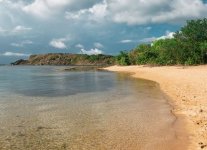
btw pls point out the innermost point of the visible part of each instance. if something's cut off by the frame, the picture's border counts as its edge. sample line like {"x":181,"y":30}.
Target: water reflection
{"x":50,"y":82}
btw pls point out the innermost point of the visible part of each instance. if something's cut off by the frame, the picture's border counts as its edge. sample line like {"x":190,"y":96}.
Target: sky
{"x":89,"y":26}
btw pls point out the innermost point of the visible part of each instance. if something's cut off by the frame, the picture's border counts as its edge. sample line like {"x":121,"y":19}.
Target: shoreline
{"x":186,"y":89}
{"x":110,"y":116}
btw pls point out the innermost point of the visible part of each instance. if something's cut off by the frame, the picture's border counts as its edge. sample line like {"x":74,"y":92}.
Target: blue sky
{"x":88,"y":26}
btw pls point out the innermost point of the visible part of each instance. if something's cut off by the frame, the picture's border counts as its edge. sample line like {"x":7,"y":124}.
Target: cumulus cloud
{"x":120,"y":11}
{"x":92,"y":51}
{"x":48,"y":8}
{"x":22,"y":43}
{"x":58,"y":43}
{"x":97,"y":12}
{"x":45,"y":8}
{"x":14,"y":54}
{"x":155,"y":11}
{"x":138,"y":12}
{"x":132,"y":11}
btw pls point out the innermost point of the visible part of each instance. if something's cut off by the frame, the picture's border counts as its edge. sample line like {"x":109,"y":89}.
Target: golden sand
{"x":187,"y":89}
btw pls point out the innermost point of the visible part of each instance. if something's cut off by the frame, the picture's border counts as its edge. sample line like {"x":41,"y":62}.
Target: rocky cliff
{"x":67,"y":59}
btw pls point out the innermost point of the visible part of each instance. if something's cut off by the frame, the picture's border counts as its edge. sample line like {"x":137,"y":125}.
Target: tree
{"x":188,"y":47}
{"x":166,"y":50}
{"x":191,"y":38}
{"x":194,"y":31}
{"x":146,"y":54}
{"x":203,"y":47}
{"x":123,"y":58}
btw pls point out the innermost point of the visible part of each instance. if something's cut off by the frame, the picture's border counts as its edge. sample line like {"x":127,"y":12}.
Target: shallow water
{"x":47,"y":108}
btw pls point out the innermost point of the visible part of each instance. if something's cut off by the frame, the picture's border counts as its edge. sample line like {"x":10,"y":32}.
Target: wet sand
{"x":134,"y":115}
{"x":187,"y":89}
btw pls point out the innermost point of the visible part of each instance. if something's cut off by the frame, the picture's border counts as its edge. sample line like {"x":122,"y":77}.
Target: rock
{"x":203,"y":146}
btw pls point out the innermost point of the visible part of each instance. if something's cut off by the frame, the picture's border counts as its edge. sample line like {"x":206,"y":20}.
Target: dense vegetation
{"x":188,"y":47}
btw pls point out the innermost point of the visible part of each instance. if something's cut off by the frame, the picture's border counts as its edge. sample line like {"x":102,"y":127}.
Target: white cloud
{"x":22,"y":43}
{"x":98,"y":11}
{"x":45,"y":8}
{"x":94,"y":51}
{"x":135,"y":12}
{"x":120,"y":11}
{"x":38,"y":8}
{"x":79,"y":46}
{"x":75,"y":15}
{"x":15,"y":54}
{"x":168,"y":35}
{"x":58,"y":43}
{"x":95,"y":13}
{"x":126,"y":41}
{"x":98,"y":45}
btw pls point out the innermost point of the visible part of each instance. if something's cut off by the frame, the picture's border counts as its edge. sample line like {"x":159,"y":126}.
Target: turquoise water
{"x":49,"y":108}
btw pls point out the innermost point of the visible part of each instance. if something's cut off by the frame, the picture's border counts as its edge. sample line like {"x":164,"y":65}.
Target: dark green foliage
{"x":146,"y":55}
{"x":203,"y":47}
{"x":188,"y":47}
{"x":192,"y":38}
{"x":166,"y":51}
{"x":133,"y":56}
{"x":123,"y":58}
{"x":193,"y":31}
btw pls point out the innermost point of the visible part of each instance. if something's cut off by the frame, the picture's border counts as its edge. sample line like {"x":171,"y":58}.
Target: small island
{"x":67,"y":59}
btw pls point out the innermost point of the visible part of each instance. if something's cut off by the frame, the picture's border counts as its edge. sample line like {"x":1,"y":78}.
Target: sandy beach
{"x":186,"y":88}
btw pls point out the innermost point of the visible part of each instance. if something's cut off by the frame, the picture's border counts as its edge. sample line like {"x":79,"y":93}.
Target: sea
{"x":48,"y":108}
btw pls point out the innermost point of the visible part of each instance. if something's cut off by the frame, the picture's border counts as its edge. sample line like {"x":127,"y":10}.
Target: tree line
{"x":187,"y":47}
